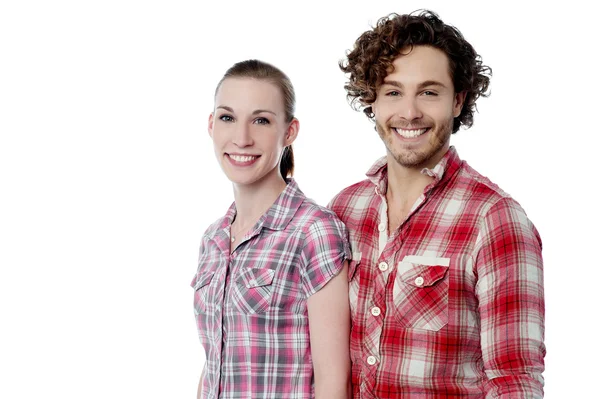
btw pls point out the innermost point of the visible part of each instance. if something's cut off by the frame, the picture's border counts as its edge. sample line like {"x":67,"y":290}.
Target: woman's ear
{"x":292,"y":132}
{"x":211,"y":120}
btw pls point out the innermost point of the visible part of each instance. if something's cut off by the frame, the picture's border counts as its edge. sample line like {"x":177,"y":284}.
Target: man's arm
{"x":510,"y":290}
{"x":329,"y":324}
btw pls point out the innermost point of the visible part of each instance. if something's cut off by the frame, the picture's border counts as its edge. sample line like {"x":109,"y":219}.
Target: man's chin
{"x":411,"y":160}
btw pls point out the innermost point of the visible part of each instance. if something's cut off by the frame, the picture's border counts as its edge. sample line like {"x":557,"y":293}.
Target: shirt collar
{"x":449,"y":164}
{"x":284,"y":208}
{"x":277,"y":216}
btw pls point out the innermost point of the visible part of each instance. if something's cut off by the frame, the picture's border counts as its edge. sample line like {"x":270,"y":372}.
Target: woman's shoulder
{"x":312,"y":216}
{"x":219,"y":224}
{"x":214,"y":227}
{"x":325,"y":237}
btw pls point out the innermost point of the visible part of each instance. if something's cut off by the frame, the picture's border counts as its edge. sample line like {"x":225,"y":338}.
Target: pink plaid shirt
{"x":251,"y":306}
{"x":452,"y":303}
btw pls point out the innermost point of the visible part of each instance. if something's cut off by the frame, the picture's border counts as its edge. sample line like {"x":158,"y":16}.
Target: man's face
{"x":415,"y":107}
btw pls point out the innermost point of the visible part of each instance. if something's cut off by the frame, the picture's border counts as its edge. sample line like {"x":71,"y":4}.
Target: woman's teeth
{"x":242,"y":158}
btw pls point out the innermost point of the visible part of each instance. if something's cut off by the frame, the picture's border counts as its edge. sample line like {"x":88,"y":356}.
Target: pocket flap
{"x":255,"y":277}
{"x":202,"y":279}
{"x":423,"y":275}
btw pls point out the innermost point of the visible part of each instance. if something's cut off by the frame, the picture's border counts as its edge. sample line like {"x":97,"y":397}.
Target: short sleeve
{"x":194,"y":280}
{"x":201,"y":252}
{"x":325,"y":250}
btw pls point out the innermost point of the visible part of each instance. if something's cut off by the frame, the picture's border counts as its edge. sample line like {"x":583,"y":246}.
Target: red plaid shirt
{"x":251,"y":306}
{"x":452,"y":303}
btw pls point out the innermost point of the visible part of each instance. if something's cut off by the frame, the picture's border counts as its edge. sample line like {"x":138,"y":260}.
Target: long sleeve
{"x":510,"y":290}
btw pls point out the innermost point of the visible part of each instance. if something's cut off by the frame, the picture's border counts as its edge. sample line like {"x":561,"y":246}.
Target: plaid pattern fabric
{"x":250,"y":306}
{"x":452,"y":303}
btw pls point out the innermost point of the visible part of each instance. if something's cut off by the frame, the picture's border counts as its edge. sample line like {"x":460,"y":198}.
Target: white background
{"x":108,"y":178}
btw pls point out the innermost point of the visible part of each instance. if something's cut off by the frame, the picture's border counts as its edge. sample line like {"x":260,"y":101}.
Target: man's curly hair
{"x":375,"y":50}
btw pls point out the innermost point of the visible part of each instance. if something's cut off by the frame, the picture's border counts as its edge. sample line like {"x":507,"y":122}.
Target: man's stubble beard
{"x":417,"y":158}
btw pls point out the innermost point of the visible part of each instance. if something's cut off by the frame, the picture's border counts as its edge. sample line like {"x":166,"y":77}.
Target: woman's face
{"x":249,"y":130}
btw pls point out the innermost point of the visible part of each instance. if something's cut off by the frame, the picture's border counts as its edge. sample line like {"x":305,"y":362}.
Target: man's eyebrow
{"x":392,"y":83}
{"x":427,"y":83}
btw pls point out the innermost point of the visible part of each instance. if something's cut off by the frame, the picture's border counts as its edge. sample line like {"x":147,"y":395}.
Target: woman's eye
{"x":430,"y":93}
{"x":261,"y":121}
{"x":226,"y":118}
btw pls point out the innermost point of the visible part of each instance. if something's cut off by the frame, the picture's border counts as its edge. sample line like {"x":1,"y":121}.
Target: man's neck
{"x":405,"y":185}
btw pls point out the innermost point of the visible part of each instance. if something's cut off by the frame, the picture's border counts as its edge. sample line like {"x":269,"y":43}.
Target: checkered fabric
{"x":251,"y":306}
{"x":452,"y":303}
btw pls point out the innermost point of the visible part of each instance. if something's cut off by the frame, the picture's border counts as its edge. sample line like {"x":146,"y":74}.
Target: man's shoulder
{"x":364,"y":188}
{"x":480,"y":183}
{"x":480,"y":188}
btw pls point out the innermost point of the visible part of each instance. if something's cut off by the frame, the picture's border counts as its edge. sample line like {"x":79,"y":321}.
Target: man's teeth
{"x":242,"y":158}
{"x":410,"y":133}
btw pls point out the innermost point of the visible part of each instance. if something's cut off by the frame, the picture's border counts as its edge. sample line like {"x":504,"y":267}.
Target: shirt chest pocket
{"x":421,"y":292}
{"x":253,"y":290}
{"x":201,"y":286}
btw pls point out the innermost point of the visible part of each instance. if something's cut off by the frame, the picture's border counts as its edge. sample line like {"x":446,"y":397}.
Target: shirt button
{"x":383,"y":266}
{"x":375,"y":311}
{"x":371,"y":360}
{"x":381,"y":226}
{"x":419,"y":281}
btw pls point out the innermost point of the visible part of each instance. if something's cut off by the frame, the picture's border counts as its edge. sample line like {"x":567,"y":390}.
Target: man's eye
{"x":393,"y":93}
{"x":429,"y":93}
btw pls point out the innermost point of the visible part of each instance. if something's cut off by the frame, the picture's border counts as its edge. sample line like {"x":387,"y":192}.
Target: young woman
{"x":271,"y":290}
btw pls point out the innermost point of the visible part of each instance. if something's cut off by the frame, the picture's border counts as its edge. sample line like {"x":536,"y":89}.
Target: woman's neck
{"x":252,"y":201}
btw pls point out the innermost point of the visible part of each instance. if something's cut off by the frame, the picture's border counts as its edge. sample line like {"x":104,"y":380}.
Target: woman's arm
{"x":199,"y":394}
{"x":329,"y":326}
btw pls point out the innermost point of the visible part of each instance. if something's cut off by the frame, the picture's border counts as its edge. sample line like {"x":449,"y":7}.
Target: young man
{"x":446,"y":285}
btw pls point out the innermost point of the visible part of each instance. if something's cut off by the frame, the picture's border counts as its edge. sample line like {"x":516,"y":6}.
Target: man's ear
{"x":459,"y":102}
{"x":292,"y":132}
{"x":211,"y":119}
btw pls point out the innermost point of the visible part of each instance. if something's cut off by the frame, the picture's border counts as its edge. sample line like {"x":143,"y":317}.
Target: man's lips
{"x":410,"y":133}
